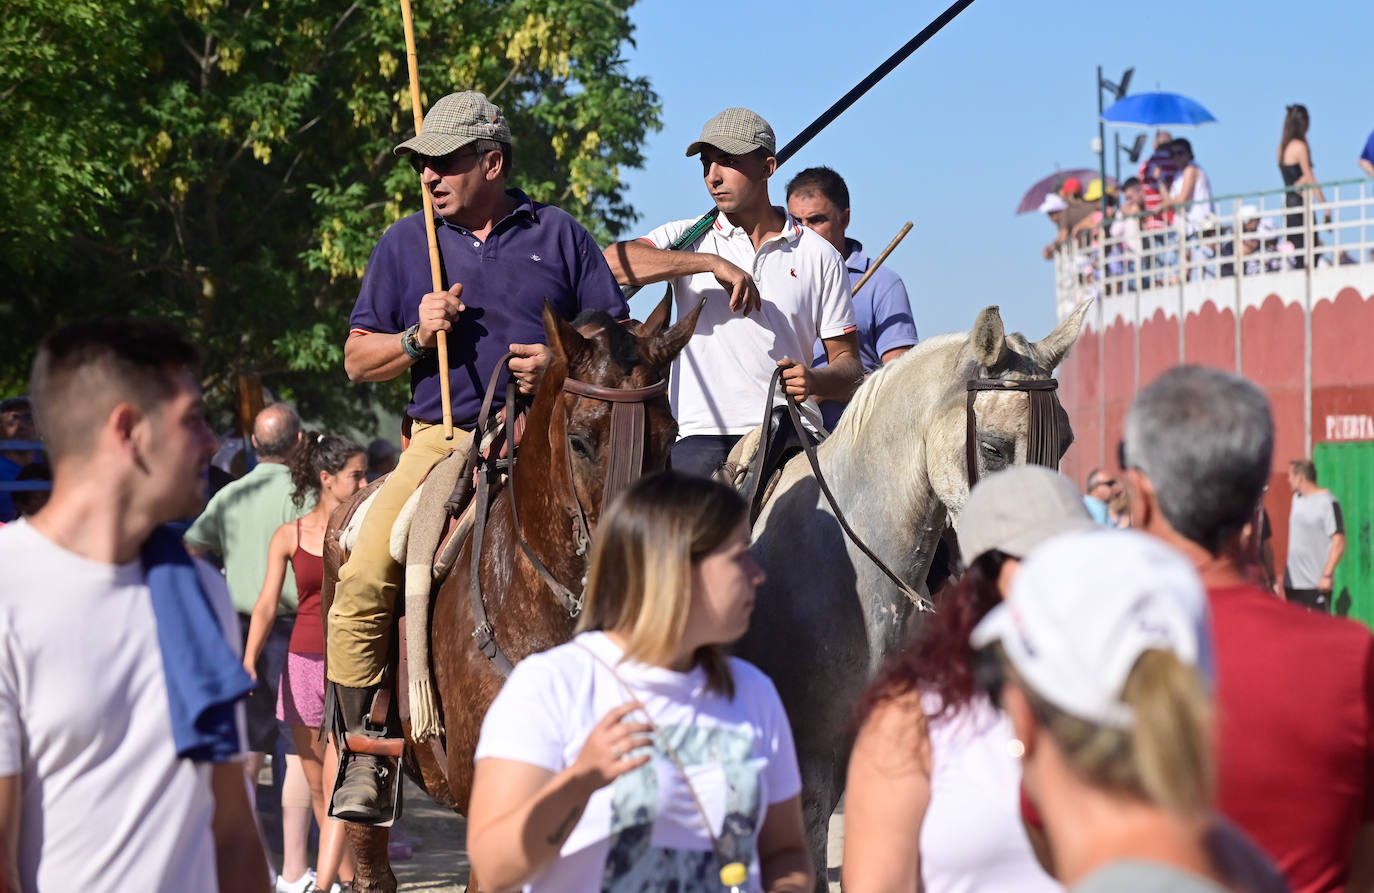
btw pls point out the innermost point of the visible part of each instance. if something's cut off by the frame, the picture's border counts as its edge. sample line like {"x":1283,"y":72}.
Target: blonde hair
{"x":1164,"y":758}
{"x":640,"y":580}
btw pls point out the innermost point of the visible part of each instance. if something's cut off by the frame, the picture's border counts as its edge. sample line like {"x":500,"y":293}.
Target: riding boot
{"x":363,"y":795}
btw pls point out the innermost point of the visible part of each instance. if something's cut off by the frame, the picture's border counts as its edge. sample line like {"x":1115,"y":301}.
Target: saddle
{"x":776,"y":442}
{"x":429,"y":532}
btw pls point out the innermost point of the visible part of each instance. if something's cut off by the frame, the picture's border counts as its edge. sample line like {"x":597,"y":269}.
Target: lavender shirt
{"x":883,"y":311}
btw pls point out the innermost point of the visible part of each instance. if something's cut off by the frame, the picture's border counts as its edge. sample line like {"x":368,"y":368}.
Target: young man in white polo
{"x":771,"y":287}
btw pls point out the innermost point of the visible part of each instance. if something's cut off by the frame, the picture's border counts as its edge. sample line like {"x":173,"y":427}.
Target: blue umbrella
{"x":1156,"y":109}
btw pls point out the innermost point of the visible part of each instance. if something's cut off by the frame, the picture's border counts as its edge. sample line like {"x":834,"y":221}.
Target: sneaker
{"x":303,"y":884}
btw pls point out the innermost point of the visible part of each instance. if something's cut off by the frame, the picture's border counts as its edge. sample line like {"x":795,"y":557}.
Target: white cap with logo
{"x":1083,"y":609}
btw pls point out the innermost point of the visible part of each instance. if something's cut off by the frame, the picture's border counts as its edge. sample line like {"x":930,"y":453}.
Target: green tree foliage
{"x":226,"y":165}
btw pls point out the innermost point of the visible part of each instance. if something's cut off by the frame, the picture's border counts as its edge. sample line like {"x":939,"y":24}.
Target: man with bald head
{"x":237,"y":525}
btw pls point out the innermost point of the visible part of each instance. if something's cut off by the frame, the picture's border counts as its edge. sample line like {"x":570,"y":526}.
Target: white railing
{"x":1246,"y":236}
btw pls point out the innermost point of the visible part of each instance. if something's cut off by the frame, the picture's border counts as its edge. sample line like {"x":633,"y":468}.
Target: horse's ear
{"x":1054,"y":346}
{"x":989,"y":338}
{"x":659,"y":318}
{"x":663,"y":348}
{"x":565,"y":342}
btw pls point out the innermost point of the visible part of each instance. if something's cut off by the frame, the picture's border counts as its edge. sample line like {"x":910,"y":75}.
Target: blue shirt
{"x":8,"y":471}
{"x":1368,"y":153}
{"x":535,"y":254}
{"x":883,"y":311}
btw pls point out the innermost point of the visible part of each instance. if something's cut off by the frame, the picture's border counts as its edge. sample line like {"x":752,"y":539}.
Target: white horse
{"x":826,"y":617}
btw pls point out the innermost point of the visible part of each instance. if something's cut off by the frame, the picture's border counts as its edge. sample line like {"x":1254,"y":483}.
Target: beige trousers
{"x":365,"y":598}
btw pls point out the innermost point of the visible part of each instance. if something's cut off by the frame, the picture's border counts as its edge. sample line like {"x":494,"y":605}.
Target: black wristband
{"x":410,"y":343}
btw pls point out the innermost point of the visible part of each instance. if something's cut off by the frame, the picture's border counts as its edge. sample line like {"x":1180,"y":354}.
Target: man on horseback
{"x":788,"y":283}
{"x":505,"y":255}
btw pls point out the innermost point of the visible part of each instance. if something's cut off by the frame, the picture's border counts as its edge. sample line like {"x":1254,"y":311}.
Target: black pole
{"x":796,"y":144}
{"x":1116,"y":143}
{"x":1102,"y":149}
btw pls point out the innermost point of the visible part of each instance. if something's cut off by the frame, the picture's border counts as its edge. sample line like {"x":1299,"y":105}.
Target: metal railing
{"x":1243,"y":236}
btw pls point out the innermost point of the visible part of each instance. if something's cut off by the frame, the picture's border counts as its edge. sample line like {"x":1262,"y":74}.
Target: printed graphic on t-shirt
{"x":721,"y":768}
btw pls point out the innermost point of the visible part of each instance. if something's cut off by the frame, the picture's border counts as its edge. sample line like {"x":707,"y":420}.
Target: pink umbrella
{"x":1036,"y":194}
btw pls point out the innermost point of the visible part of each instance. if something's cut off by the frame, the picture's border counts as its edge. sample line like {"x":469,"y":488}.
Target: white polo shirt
{"x":720,"y":379}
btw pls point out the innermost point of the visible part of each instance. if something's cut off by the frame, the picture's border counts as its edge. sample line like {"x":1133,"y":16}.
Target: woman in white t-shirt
{"x":639,"y":756}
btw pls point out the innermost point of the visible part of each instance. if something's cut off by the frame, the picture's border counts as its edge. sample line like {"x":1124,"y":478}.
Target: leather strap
{"x":628,"y":413}
{"x":483,"y":635}
{"x":625,"y":464}
{"x":615,"y":395}
{"x":921,"y":602}
{"x":1043,"y":434}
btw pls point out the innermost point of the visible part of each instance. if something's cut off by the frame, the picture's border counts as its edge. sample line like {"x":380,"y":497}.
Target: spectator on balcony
{"x":1156,"y":176}
{"x":1066,"y":209}
{"x":1367,"y":156}
{"x":1295,"y":166}
{"x":1191,"y":192}
{"x":1258,"y":234}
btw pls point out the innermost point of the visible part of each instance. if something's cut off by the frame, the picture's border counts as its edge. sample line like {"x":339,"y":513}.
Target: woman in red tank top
{"x":329,"y":469}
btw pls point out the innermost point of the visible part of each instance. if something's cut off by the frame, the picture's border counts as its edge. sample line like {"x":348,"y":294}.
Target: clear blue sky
{"x":954,"y":136}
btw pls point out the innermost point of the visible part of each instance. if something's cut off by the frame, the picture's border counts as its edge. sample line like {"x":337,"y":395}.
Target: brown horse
{"x":560,"y":472}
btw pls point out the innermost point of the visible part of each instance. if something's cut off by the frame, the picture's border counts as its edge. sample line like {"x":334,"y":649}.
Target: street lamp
{"x":1118,"y":91}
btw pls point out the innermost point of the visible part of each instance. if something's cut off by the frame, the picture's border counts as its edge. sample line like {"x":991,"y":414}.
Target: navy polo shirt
{"x":538,"y":253}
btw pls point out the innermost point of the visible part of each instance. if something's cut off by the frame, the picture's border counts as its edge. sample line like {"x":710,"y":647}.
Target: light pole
{"x":1118,"y":92}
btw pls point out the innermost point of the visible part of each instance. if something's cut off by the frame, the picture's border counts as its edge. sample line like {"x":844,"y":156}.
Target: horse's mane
{"x":875,"y":388}
{"x":623,"y":345}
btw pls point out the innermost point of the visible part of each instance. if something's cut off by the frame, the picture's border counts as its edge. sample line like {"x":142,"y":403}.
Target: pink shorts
{"x":300,"y":697}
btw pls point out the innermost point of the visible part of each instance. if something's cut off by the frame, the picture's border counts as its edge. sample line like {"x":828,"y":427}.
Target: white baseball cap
{"x":1053,"y":203}
{"x":1084,"y":608}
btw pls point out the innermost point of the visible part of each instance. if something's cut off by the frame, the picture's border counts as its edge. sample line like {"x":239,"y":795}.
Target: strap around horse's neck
{"x":628,"y":423}
{"x":921,"y":602}
{"x":1043,"y":438}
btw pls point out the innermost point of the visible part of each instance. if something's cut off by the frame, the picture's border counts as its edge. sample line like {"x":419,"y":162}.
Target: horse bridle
{"x":1042,"y":442}
{"x":629,"y":413}
{"x":1043,"y":449}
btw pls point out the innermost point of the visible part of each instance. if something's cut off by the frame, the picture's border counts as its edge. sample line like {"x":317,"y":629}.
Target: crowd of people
{"x":1088,"y":708}
{"x":1163,"y":225}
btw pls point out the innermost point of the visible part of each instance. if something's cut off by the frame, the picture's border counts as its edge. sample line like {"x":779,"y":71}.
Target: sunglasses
{"x":440,"y":164}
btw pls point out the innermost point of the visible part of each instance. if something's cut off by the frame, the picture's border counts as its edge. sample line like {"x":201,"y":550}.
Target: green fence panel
{"x":1347,"y":469}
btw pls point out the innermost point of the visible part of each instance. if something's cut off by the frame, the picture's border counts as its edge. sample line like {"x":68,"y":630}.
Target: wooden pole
{"x":873,"y":267}
{"x":412,"y":66}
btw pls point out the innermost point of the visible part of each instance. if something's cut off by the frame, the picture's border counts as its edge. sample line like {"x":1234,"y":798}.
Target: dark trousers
{"x":702,"y":454}
{"x":1314,"y":599}
{"x":264,"y":729}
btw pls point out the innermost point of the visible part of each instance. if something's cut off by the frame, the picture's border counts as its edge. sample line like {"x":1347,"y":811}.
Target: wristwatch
{"x":410,"y":343}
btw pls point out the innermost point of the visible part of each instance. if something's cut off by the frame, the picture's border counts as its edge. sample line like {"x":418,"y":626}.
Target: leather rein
{"x":921,"y":602}
{"x":626,"y":463}
{"x":1043,"y":449}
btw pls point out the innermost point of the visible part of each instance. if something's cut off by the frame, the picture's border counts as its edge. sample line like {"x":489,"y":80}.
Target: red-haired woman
{"x":932,"y":799}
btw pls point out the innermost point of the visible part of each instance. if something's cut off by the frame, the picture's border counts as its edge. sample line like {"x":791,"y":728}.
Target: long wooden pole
{"x":435,"y":276}
{"x":873,"y":267}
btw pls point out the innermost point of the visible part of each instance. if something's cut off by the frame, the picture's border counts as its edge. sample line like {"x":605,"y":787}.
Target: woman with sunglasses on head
{"x":639,"y":756}
{"x":1295,"y":166}
{"x":328,"y":470}
{"x":931,"y":797}
{"x":1101,"y":659}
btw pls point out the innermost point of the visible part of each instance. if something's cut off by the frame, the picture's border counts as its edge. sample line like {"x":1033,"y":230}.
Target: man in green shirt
{"x":237,"y":525}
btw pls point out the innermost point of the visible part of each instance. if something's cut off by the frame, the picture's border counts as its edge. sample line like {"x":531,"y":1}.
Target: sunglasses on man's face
{"x":441,"y":164}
